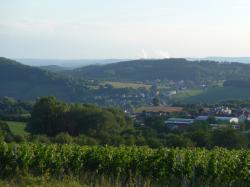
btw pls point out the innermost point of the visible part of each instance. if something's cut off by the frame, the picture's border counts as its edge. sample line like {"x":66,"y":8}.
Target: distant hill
{"x":225,"y":59}
{"x":215,"y":95}
{"x":231,"y":90}
{"x":67,"y":63}
{"x":25,"y":82}
{"x":54,"y":68}
{"x":165,"y":69}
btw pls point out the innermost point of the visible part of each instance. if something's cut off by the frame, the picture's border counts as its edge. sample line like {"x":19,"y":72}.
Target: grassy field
{"x":17,"y":128}
{"x":43,"y":181}
{"x":127,"y":85}
{"x":183,"y":95}
{"x":213,"y":95}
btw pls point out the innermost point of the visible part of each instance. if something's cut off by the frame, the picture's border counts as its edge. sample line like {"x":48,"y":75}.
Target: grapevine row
{"x":162,"y":164}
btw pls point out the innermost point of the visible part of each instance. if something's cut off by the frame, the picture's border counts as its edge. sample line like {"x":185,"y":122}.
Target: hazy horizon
{"x":124,"y":29}
{"x":74,"y":63}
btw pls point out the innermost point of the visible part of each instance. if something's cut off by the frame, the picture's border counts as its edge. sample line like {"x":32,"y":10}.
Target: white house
{"x":220,"y":118}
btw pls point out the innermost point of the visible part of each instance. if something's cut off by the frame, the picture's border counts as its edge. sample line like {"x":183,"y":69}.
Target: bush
{"x":39,"y":139}
{"x":228,"y":138}
{"x":84,"y":140}
{"x":173,"y":140}
{"x":63,"y":138}
{"x":200,"y":138}
{"x":8,"y":138}
{"x":18,"y":138}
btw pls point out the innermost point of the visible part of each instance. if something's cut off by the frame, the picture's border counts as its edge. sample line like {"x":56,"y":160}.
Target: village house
{"x":234,"y":120}
{"x":154,"y":111}
{"x":174,"y":123}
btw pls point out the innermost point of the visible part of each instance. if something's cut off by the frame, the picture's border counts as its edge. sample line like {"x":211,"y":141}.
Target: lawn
{"x":17,"y":128}
{"x":182,"y":95}
{"x":127,"y":85}
{"x":213,"y":95}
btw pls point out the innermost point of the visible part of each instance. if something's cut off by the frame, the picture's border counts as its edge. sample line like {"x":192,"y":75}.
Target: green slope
{"x":213,"y":95}
{"x":17,"y":128}
{"x":165,"y":69}
{"x":26,"y":82}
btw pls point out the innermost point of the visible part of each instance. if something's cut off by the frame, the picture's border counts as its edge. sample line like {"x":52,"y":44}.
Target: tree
{"x":199,"y":126}
{"x":156,"y":101}
{"x":5,"y":133}
{"x":153,"y":142}
{"x":47,"y":117}
{"x":200,"y":138}
{"x":228,"y":138}
{"x":156,"y":123}
{"x":173,"y":140}
{"x":51,"y":117}
{"x":63,"y":138}
{"x":211,"y":120}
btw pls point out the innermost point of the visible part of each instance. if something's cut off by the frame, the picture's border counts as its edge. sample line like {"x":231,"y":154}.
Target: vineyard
{"x":139,"y":166}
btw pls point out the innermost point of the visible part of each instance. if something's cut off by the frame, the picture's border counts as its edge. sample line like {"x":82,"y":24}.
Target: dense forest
{"x":29,"y":83}
{"x":166,"y":69}
{"x":26,"y":82}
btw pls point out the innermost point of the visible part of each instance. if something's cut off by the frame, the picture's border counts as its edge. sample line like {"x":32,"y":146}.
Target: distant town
{"x":217,"y":117}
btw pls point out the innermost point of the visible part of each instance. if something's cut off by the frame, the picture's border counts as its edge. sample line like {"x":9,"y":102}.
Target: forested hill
{"x":25,"y":82}
{"x":165,"y":69}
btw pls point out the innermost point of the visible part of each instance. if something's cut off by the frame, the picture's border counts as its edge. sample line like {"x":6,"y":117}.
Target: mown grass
{"x":214,"y":95}
{"x":42,"y":181}
{"x":17,"y":128}
{"x":127,"y":85}
{"x":182,"y":95}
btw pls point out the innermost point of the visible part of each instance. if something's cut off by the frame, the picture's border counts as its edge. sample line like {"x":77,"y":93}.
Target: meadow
{"x":17,"y":127}
{"x":213,"y":95}
{"x":127,"y":85}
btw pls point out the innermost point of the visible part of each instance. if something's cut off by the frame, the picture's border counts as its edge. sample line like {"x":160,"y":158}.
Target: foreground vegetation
{"x":127,"y":165}
{"x":53,"y":121}
{"x":86,"y":145}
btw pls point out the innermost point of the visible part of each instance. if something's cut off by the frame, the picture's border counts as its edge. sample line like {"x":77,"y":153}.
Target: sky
{"x":97,"y":29}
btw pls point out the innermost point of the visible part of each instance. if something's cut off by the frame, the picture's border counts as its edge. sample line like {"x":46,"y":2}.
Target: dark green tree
{"x":228,"y":138}
{"x":201,"y":138}
{"x":156,"y":101}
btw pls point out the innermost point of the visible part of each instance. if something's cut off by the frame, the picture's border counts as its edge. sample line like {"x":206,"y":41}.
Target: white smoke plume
{"x":144,"y":54}
{"x":162,"y":54}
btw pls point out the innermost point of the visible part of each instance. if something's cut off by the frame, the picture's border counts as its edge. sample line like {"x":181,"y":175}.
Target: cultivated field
{"x":17,"y":128}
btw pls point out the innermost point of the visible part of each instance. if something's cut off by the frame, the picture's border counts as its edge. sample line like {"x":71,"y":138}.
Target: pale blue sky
{"x":124,"y":28}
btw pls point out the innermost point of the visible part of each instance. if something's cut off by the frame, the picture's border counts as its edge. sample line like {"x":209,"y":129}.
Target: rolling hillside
{"x":54,"y":68}
{"x":165,"y":69}
{"x":25,"y":82}
{"x":214,"y":95}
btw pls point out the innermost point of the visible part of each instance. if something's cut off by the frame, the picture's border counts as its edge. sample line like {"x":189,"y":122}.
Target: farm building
{"x":159,"y":110}
{"x":174,"y":123}
{"x":220,"y":118}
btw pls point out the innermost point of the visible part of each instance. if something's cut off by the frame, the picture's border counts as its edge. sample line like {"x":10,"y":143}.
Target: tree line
{"x":53,"y":121}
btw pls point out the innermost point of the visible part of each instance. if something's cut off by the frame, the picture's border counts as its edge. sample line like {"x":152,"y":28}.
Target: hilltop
{"x":165,"y":69}
{"x":26,"y":82}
